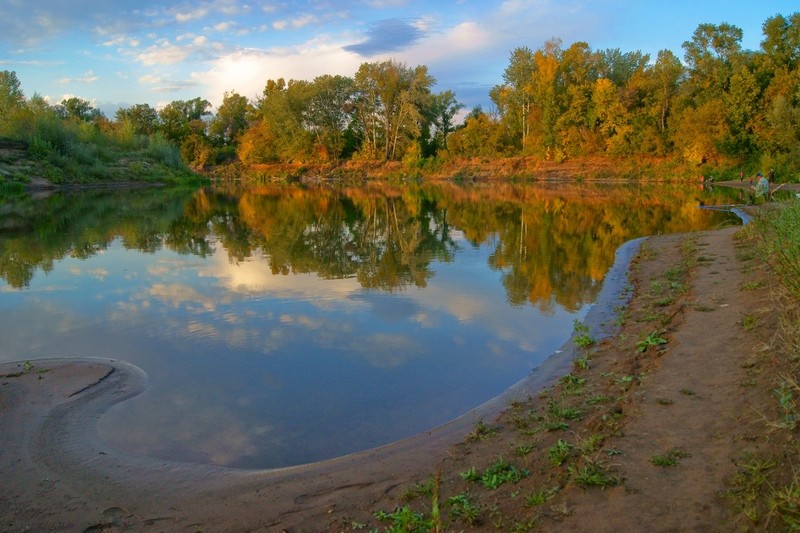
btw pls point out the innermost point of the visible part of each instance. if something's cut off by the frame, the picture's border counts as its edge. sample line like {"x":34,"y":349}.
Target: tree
{"x":280,"y":110}
{"x":328,"y":113}
{"x":664,"y":77}
{"x":443,"y":109}
{"x":11,"y":96}
{"x":578,"y":72}
{"x":513,"y":98}
{"x":711,"y":56}
{"x":181,"y":118}
{"x":78,"y":109}
{"x":389,"y":105}
{"x":142,"y":117}
{"x":231,"y":119}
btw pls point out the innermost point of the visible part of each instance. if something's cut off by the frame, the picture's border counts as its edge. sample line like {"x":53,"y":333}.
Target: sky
{"x":117,"y":53}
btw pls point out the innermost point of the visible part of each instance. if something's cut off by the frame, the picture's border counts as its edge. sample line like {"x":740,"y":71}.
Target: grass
{"x":593,"y":474}
{"x":498,"y":473}
{"x":653,"y":339}
{"x":671,"y":458}
{"x":581,"y":336}
{"x":483,"y":431}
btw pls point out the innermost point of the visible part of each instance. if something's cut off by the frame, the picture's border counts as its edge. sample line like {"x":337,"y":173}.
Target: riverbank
{"x":646,"y":431}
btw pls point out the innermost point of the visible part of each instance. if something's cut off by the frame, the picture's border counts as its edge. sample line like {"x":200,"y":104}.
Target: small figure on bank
{"x":761,"y":188}
{"x":772,"y":175}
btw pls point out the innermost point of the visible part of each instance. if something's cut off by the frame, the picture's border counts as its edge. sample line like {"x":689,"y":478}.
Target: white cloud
{"x":88,"y":77}
{"x":189,"y":16}
{"x":247,"y":71}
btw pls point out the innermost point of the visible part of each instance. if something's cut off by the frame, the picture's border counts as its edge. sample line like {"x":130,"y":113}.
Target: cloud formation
{"x":387,"y":36}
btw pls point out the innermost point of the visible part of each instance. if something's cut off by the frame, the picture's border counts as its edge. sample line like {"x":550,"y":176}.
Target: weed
{"x":671,"y":458}
{"x":581,"y":338}
{"x":405,"y":519}
{"x":522,"y":527}
{"x":704,"y":308}
{"x":664,"y":302}
{"x":482,"y":431}
{"x":747,"y":487}
{"x":524,"y":449}
{"x":541,"y":496}
{"x":594,"y":400}
{"x":572,"y":384}
{"x":501,"y":472}
{"x":593,"y":474}
{"x":581,"y":363}
{"x":653,"y":339}
{"x":785,"y":395}
{"x":419,"y":489}
{"x":753,"y":285}
{"x":589,"y":444}
{"x":749,"y":322}
{"x":563,"y":412}
{"x":559,"y":452}
{"x":664,"y":401}
{"x":687,"y":392}
{"x":461,"y":508}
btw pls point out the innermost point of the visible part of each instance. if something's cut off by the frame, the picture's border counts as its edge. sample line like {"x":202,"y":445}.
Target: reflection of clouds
{"x":386,"y":350}
{"x":158,"y":270}
{"x":99,"y":273}
{"x":255,"y":278}
{"x":178,"y":294}
{"x":215,"y":434}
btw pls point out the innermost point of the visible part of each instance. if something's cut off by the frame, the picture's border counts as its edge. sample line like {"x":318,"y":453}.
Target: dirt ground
{"x":643,"y":433}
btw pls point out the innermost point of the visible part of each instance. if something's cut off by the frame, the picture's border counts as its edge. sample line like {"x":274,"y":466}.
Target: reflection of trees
{"x":81,"y":225}
{"x":381,"y":240}
{"x":551,"y":245}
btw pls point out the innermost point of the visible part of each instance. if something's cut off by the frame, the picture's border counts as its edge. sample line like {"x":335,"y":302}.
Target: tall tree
{"x":11,"y":96}
{"x":444,"y":108}
{"x":230,"y":120}
{"x":328,"y":113}
{"x":390,"y":99}
{"x":513,"y":98}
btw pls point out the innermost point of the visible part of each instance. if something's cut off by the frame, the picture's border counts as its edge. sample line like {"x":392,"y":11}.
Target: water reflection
{"x":283,"y":324}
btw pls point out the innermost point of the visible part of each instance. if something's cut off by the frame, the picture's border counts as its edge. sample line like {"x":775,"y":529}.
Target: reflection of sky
{"x":253,"y":369}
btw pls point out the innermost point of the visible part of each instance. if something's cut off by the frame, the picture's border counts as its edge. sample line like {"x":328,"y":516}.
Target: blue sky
{"x":123,"y":52}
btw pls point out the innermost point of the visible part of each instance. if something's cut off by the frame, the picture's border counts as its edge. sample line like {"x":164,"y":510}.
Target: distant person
{"x":761,"y":188}
{"x":772,"y":175}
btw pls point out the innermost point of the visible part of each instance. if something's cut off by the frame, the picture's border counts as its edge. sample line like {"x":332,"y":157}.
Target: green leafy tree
{"x":328,"y":114}
{"x":390,"y":105}
{"x":181,"y":118}
{"x":443,"y":109}
{"x":142,"y":117}
{"x":78,"y":109}
{"x":11,"y":96}
{"x":230,"y":120}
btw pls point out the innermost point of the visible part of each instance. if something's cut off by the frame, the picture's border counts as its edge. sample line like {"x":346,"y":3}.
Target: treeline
{"x":722,"y":105}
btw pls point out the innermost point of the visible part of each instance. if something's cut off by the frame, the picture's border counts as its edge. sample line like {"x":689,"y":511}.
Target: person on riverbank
{"x":761,"y":188}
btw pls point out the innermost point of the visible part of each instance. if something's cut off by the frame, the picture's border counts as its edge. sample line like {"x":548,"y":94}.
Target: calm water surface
{"x":280,"y":325}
